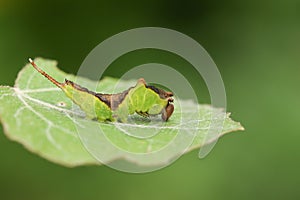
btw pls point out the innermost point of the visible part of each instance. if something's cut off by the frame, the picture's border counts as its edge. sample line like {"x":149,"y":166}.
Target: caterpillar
{"x":143,"y":99}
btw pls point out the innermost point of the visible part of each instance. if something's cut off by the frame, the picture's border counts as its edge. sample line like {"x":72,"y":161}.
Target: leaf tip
{"x":242,"y":127}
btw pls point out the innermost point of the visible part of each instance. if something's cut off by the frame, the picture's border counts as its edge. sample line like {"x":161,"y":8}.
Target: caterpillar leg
{"x":144,"y":114}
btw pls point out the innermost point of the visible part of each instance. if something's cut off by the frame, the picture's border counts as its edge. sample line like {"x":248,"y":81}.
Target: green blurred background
{"x":255,"y":44}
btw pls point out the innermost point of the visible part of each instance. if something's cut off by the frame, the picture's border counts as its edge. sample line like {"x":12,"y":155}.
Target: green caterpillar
{"x":142,"y":99}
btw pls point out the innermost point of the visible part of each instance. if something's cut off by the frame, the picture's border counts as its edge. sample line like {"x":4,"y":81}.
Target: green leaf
{"x":38,"y":115}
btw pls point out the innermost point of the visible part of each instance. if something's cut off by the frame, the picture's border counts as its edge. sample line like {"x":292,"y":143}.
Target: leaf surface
{"x":38,"y":115}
